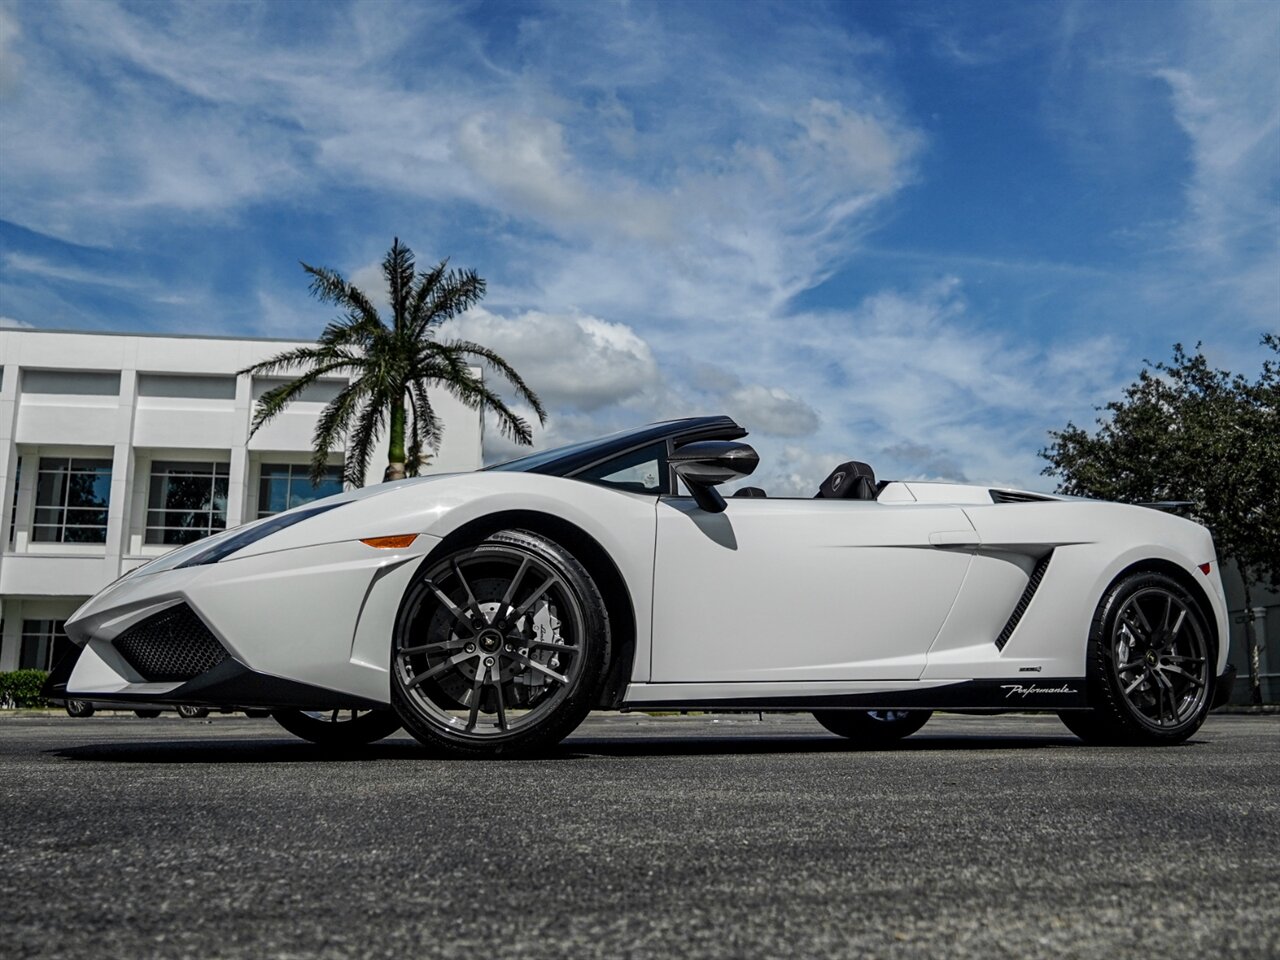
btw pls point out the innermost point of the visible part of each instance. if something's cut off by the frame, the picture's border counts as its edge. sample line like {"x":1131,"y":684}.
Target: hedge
{"x":23,"y":688}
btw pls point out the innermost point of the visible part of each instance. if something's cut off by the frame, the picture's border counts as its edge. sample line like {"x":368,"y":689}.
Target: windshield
{"x":535,"y":460}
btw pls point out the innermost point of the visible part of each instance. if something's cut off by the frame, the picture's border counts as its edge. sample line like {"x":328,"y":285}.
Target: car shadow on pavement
{"x":235,"y":751}
{"x":762,"y":744}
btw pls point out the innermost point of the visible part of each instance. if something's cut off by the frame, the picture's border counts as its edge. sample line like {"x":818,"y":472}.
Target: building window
{"x":72,"y":497}
{"x":44,"y":643}
{"x":186,"y":501}
{"x":282,"y":486}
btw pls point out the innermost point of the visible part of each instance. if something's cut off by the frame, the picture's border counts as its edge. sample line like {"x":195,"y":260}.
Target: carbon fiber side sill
{"x":1024,"y":601}
{"x":1009,"y":693}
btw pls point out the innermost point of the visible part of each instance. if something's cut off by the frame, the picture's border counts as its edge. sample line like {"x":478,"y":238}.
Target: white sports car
{"x":488,"y":612}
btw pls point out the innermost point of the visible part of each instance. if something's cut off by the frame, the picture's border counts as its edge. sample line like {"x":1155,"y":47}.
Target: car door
{"x":778,"y":590}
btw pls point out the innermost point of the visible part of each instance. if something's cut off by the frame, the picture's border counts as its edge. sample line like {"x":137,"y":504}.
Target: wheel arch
{"x":612,"y":585}
{"x":1187,"y":582}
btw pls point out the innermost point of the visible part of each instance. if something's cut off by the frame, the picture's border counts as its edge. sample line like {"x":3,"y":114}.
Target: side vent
{"x":1016,"y":496}
{"x":1024,"y":601}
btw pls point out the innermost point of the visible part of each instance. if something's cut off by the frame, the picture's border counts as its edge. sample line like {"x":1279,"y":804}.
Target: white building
{"x":115,"y":448}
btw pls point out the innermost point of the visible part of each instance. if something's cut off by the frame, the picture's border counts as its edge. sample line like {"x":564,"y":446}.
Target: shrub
{"x":22,"y":687}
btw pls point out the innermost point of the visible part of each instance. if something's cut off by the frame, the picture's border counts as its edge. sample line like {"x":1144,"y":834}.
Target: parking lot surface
{"x":642,"y":837}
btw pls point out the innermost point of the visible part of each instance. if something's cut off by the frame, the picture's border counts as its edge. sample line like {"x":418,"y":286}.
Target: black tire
{"x":146,"y":714}
{"x":256,"y":714}
{"x":189,"y":711}
{"x":338,"y":728}
{"x":478,"y":635}
{"x":79,"y":708}
{"x":1150,"y":664}
{"x":873,"y":728}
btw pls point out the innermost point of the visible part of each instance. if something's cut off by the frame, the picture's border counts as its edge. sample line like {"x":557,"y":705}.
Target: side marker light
{"x":1205,"y":567}
{"x":390,"y":543}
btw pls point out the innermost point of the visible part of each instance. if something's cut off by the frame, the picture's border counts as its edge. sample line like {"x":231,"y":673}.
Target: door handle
{"x":955,"y":538}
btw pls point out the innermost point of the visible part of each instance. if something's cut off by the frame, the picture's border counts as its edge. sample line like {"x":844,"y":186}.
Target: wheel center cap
{"x":489,"y":640}
{"x":1151,"y":657}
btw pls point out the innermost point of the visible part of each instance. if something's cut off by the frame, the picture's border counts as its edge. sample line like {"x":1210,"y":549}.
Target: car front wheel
{"x":500,"y":647}
{"x":873,"y":728}
{"x":79,"y":708}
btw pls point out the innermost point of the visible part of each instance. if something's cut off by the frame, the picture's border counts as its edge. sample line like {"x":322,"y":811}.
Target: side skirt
{"x":1044,"y":693}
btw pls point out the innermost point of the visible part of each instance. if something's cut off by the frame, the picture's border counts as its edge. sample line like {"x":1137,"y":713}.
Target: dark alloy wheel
{"x":338,"y":728}
{"x":1151,"y":665}
{"x":188,"y":711}
{"x":146,"y":714}
{"x":499,"y":647}
{"x":873,"y":728}
{"x":79,"y":708}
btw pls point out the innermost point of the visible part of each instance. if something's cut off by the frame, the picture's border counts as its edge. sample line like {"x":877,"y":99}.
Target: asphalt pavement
{"x":642,"y":837}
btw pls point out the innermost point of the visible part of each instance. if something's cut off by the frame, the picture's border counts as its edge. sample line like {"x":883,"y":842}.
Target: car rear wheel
{"x":1150,"y":662}
{"x":500,"y":647}
{"x":338,"y":728}
{"x":146,"y":714}
{"x":79,"y":708}
{"x":873,"y":728}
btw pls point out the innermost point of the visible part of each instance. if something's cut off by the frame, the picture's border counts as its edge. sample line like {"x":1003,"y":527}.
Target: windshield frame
{"x":575,"y":458}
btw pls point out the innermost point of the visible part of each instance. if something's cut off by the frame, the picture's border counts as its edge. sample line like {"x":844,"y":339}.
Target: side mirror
{"x":705,"y":463}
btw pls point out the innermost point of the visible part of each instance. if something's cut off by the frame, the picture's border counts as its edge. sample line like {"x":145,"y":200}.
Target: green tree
{"x":391,"y":366}
{"x":1187,"y":431}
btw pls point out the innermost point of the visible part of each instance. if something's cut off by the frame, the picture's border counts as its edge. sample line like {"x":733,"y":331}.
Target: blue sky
{"x":918,"y":234}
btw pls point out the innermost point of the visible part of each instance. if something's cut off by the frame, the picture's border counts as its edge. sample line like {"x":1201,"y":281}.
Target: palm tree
{"x":391,"y":365}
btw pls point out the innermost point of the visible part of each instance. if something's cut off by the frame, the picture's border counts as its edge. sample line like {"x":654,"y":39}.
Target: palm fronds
{"x":391,"y":365}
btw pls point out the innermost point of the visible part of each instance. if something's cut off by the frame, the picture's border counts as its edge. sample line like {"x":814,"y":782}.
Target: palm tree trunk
{"x":395,"y":452}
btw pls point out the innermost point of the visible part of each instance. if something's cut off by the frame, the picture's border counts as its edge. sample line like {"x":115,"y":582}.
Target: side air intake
{"x":1024,"y":601}
{"x":173,"y":644}
{"x":1016,"y":496}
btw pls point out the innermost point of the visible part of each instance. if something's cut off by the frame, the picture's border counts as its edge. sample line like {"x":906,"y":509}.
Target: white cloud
{"x":647,"y":198}
{"x":921,"y":388}
{"x":1123,"y":80}
{"x":25,"y":263}
{"x":12,"y":324}
{"x":574,"y":362}
{"x":11,"y":63}
{"x":771,"y":410}
{"x":1224,"y":96}
{"x":595,"y":377}
{"x":1233,"y":122}
{"x":724,"y":203}
{"x":287,"y":319}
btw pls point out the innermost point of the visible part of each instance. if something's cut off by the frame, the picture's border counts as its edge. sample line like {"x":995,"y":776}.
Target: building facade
{"x":116,"y":448}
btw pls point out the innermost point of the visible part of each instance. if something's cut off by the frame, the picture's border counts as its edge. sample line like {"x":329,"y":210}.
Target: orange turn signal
{"x":390,"y":543}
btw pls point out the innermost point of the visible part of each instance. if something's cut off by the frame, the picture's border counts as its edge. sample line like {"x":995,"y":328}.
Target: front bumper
{"x":228,"y":685}
{"x":307,"y":627}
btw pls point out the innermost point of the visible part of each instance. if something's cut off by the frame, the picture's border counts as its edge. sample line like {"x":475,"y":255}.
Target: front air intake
{"x":173,"y":644}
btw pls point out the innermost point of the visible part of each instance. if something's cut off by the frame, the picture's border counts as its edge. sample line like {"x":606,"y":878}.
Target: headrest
{"x":853,"y":479}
